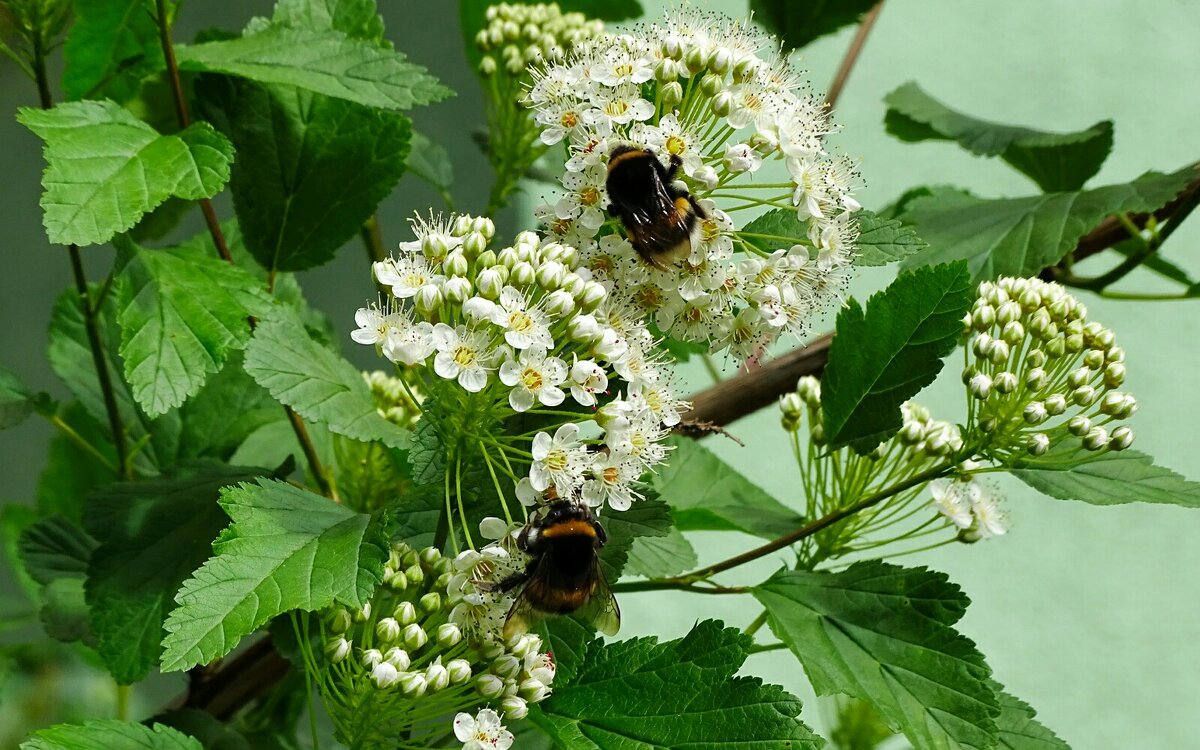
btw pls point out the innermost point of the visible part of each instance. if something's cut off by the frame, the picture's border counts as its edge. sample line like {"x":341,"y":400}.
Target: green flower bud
{"x":1083,"y":395}
{"x":405,"y":613}
{"x":413,"y":684}
{"x":1122,"y":438}
{"x":672,"y":94}
{"x":415,"y":637}
{"x":1037,"y":444}
{"x":1079,"y":425}
{"x":1114,"y":375}
{"x":514,"y":708}
{"x":431,"y":602}
{"x":1096,"y":439}
{"x":459,"y":670}
{"x":387,"y":629}
{"x":340,"y":622}
{"x":489,"y":686}
{"x":437,"y":677}
{"x":337,"y":650}
{"x":1056,"y":404}
{"x":448,"y":634}
{"x":398,"y":658}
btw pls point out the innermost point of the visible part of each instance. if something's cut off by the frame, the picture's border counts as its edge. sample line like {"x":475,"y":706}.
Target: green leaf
{"x":882,"y":357}
{"x":324,"y":62}
{"x":644,"y":695}
{"x":70,"y":471}
{"x":153,"y":534}
{"x":567,"y":638}
{"x":181,"y":315}
{"x":1055,"y":161}
{"x":1070,"y":472}
{"x":317,"y":383}
{"x":707,"y":494}
{"x":55,"y":553}
{"x":227,"y":410}
{"x":882,"y":241}
{"x":780,"y":229}
{"x":205,"y":728}
{"x":16,"y":402}
{"x":427,"y":454}
{"x":296,"y":145}
{"x":357,"y":19}
{"x":798,"y":23}
{"x":15,"y":518}
{"x":431,"y":162}
{"x":1021,"y":236}
{"x":287,"y":549}
{"x":649,"y":517}
{"x":112,"y":46}
{"x":106,"y":168}
{"x":1018,"y":729}
{"x":661,"y":556}
{"x":883,"y":633}
{"x":110,"y":734}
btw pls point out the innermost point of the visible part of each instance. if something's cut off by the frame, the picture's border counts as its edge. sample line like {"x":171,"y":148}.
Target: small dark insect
{"x":564,"y":575}
{"x":658,"y":217}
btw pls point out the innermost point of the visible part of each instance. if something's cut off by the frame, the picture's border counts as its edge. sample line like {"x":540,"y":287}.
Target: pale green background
{"x":1089,"y":614}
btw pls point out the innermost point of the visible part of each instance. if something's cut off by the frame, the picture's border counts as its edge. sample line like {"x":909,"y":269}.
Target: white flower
{"x":638,"y":435}
{"x":558,"y":461}
{"x":585,"y":199}
{"x":587,"y":379}
{"x":670,"y":138}
{"x":534,"y":377}
{"x":373,"y":325}
{"x":657,"y":397}
{"x":483,"y":731}
{"x":463,"y":355}
{"x":990,"y":518}
{"x":618,"y":106}
{"x":409,"y":345}
{"x":525,"y":324}
{"x":739,"y":157}
{"x":406,"y":275}
{"x":611,"y":474}
{"x":949,"y":500}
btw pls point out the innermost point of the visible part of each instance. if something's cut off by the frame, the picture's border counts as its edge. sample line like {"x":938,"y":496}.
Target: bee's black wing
{"x":601,"y":607}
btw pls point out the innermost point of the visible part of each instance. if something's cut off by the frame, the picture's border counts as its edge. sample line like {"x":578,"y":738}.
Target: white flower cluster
{"x":407,"y":644}
{"x":484,"y":731}
{"x":969,"y":506}
{"x":523,"y":35}
{"x":393,"y":399}
{"x":715,"y":95}
{"x":1039,"y":372}
{"x":528,"y":328}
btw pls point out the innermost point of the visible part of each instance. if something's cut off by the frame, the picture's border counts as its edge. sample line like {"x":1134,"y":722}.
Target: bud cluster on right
{"x":1038,"y":372}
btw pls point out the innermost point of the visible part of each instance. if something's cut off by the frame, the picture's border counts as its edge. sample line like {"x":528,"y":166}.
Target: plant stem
{"x":852,"y":54}
{"x":123,"y":469}
{"x":82,"y":443}
{"x":122,"y":713}
{"x":373,"y":239}
{"x":757,"y":623}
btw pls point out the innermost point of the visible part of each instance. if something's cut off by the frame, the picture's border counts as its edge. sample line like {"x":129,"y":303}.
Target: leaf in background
{"x":15,"y":518}
{"x":296,"y":145}
{"x":707,"y":494}
{"x":55,"y":553}
{"x":181,"y":315}
{"x":1070,"y":472}
{"x":661,"y":556}
{"x":431,"y":162}
{"x":1021,"y":236}
{"x":1018,"y":729}
{"x":110,"y":734}
{"x":225,"y":412}
{"x":70,"y":471}
{"x":106,"y":168}
{"x":1057,"y":162}
{"x":357,"y":19}
{"x":153,"y":535}
{"x":16,"y":402}
{"x":210,"y":731}
{"x":323,"y":62}
{"x":798,"y":23}
{"x":318,"y":384}
{"x":882,"y":357}
{"x":882,"y":241}
{"x":680,"y":694}
{"x":287,"y":549}
{"x":112,"y":46}
{"x":646,"y":518}
{"x":883,"y":633}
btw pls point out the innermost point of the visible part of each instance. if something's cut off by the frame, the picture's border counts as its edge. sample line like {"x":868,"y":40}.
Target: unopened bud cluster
{"x":1039,"y":372}
{"x":394,"y":400}
{"x":404,"y":650}
{"x":517,"y":36}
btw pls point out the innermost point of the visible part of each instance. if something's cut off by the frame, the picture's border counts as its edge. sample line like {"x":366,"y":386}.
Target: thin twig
{"x":856,"y":46}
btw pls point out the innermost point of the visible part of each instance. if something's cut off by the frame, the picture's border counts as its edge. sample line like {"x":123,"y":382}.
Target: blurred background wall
{"x":1092,"y":615}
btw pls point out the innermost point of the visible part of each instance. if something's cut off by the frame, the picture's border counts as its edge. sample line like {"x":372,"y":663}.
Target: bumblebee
{"x":564,"y":575}
{"x":658,"y":217}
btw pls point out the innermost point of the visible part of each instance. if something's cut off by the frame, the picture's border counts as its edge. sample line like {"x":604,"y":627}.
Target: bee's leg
{"x":601,"y":535}
{"x":696,"y":206}
{"x":670,"y":173}
{"x":510,"y":583}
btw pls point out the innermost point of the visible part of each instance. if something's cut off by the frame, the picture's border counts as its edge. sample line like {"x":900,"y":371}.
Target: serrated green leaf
{"x":1056,"y":162}
{"x":205,"y":728}
{"x":14,"y":520}
{"x":106,"y":169}
{"x":1018,"y":728}
{"x":112,"y":46}
{"x":55,"y":553}
{"x":661,"y":556}
{"x":317,"y":383}
{"x":324,"y":62}
{"x":357,"y":19}
{"x":797,"y":24}
{"x":707,"y":494}
{"x":649,"y":517}
{"x":430,"y":161}
{"x":883,"y":633}
{"x":644,"y":695}
{"x":882,"y":241}
{"x":287,"y":549}
{"x":567,"y":638}
{"x":110,"y":734}
{"x":181,"y":315}
{"x":296,"y":144}
{"x":16,"y":401}
{"x":1021,"y":236}
{"x":883,"y":356}
{"x":225,"y":412}
{"x":427,"y":453}
{"x":153,"y":534}
{"x":776,"y":229}
{"x":1070,"y":472}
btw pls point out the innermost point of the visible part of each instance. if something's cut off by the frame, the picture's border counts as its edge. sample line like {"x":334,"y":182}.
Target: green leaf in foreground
{"x":302,"y":144}
{"x":883,"y":633}
{"x":106,"y":168}
{"x":110,"y":734}
{"x":1019,"y":730}
{"x":324,"y":62}
{"x":1021,"y":236}
{"x":181,"y":315}
{"x":882,"y":241}
{"x":774,"y":230}
{"x":798,"y":23}
{"x":430,"y":161}
{"x":320,"y":385}
{"x":153,"y":534}
{"x":644,"y":695}
{"x":357,"y":19}
{"x":16,"y":402}
{"x":707,"y":494}
{"x":287,"y":549}
{"x":883,"y":356}
{"x":112,"y":46}
{"x":1055,"y":161}
{"x":1069,"y":472}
